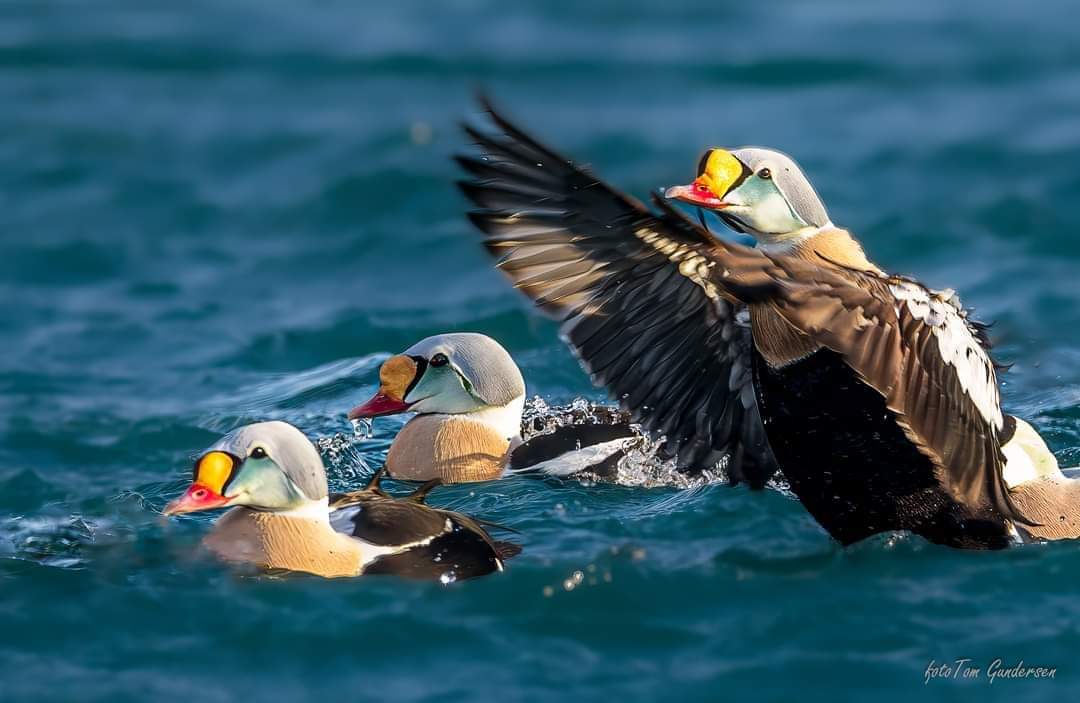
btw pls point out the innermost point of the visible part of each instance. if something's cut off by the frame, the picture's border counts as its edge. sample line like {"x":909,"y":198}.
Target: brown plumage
{"x":455,"y":449}
{"x":834,"y":246}
{"x":369,"y":532}
{"x":469,"y":396}
{"x":856,"y":315}
{"x":1053,"y":504}
{"x":649,"y":301}
{"x":283,"y":517}
{"x":270,"y":540}
{"x":440,"y":544}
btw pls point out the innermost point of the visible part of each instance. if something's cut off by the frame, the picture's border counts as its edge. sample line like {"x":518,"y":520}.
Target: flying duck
{"x":468,"y":396}
{"x":877,"y":395}
{"x":282,"y":517}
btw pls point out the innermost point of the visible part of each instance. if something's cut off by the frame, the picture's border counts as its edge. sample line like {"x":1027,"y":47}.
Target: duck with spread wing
{"x":875,"y":395}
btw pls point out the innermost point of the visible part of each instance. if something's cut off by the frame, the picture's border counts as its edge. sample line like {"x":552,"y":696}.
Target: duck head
{"x":758,"y":191}
{"x":453,"y":374}
{"x":266,"y":466}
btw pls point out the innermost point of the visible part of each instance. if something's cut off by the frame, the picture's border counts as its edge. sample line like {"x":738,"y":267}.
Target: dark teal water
{"x":212,"y":213}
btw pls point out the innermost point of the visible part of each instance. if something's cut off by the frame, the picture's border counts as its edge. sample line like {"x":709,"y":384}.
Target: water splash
{"x":591,"y":575}
{"x":643,"y":464}
{"x":53,"y":541}
{"x":573,"y":581}
{"x":363,"y":428}
{"x":539,"y":418}
{"x":345,"y":463}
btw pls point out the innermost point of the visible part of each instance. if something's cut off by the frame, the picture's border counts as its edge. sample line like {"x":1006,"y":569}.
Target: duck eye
{"x":258,"y":453}
{"x":764,"y":174}
{"x":439,"y":360}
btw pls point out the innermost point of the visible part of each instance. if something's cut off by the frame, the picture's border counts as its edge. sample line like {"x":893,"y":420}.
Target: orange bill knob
{"x":395,"y":377}
{"x":205,"y":493}
{"x":720,"y":171}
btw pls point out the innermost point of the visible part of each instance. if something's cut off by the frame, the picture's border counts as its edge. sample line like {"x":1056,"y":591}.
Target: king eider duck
{"x":282,"y":517}
{"x":468,"y":396}
{"x":1045,"y":497}
{"x":877,"y":395}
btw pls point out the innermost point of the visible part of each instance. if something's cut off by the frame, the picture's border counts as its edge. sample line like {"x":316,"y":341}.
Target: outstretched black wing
{"x":645,"y":326}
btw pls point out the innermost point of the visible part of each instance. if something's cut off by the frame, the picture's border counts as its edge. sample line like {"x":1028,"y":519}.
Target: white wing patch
{"x":576,"y":460}
{"x":957,"y":343}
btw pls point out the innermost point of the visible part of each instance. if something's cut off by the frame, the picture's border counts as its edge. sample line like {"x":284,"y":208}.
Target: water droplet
{"x":642,"y":463}
{"x":362,"y":428}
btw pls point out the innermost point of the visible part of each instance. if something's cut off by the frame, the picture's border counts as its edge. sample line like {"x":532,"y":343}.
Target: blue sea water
{"x":218,"y":212}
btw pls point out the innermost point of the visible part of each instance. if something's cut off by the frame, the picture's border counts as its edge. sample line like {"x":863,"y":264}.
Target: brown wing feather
{"x":605,"y":265}
{"x":394,"y":521}
{"x":621,"y":280}
{"x":856,"y":315}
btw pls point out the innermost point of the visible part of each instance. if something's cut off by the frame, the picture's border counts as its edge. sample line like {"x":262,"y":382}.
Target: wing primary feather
{"x":631,"y":288}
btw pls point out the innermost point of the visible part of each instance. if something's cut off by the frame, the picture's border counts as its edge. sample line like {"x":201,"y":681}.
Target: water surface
{"x":214,"y":213}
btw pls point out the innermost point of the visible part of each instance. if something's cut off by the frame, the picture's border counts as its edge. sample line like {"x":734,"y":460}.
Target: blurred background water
{"x":217,"y":212}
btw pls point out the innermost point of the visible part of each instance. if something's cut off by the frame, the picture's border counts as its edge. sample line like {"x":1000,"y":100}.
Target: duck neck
{"x":827,"y":244}
{"x":504,"y":420}
{"x":788,"y":242}
{"x":318,"y":510}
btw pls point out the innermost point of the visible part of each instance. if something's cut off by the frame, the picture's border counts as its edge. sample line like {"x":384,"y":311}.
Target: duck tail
{"x":420,"y":494}
{"x":507,"y":550}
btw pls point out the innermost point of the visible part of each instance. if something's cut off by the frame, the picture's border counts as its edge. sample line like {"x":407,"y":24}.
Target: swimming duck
{"x":877,"y":395}
{"x":468,"y":396}
{"x":282,"y":517}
